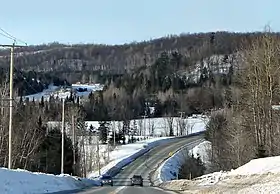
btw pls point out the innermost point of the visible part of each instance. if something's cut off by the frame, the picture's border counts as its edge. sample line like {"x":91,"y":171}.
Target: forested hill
{"x":71,"y":60}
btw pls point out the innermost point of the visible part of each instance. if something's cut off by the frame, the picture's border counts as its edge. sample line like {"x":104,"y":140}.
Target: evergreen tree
{"x":49,"y":153}
{"x":103,"y":131}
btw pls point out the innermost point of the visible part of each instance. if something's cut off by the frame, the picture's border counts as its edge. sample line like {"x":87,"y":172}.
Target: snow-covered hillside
{"x":81,"y":90}
{"x":216,"y":64}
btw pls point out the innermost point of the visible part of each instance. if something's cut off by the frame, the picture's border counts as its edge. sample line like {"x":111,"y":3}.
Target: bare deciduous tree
{"x":261,"y":88}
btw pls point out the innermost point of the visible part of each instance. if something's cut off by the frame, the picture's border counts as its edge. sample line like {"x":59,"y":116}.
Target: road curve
{"x":144,"y":165}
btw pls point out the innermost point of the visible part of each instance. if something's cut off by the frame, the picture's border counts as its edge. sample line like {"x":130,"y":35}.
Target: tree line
{"x":83,"y":62}
{"x":248,"y":126}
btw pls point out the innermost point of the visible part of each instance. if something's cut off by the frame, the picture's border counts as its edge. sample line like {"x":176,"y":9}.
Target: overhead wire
{"x":11,"y":37}
{"x":8,"y":35}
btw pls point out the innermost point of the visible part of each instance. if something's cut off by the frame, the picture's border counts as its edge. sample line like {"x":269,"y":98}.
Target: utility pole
{"x":98,"y":158}
{"x":12,"y":47}
{"x":181,"y":116}
{"x":62,"y":137}
{"x":114,"y":133}
{"x":144,"y":125}
{"x":74,"y":143}
{"x":150,"y":128}
{"x":108,"y":146}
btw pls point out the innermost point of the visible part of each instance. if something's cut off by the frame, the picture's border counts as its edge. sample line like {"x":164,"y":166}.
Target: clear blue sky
{"x":124,"y":21}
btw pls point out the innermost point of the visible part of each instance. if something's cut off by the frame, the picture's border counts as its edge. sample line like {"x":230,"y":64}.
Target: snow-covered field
{"x":60,"y":92}
{"x":160,"y":125}
{"x":257,"y":176}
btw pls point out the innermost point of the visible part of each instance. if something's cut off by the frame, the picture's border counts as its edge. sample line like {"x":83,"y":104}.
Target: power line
{"x":6,"y":36}
{"x":11,"y":36}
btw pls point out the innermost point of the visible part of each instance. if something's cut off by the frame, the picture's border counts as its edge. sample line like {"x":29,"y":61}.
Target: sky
{"x":125,"y":21}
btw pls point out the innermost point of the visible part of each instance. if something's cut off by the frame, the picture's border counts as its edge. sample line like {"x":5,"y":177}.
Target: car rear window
{"x":106,"y":177}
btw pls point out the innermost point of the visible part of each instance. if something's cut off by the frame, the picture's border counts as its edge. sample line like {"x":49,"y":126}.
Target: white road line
{"x":118,"y":190}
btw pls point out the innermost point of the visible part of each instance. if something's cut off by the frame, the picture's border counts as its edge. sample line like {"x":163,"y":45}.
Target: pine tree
{"x":49,"y":153}
{"x":103,"y":131}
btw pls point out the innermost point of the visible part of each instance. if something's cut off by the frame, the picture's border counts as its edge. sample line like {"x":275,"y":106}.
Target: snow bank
{"x":254,"y":167}
{"x":22,"y":181}
{"x":255,"y":177}
{"x":202,"y":150}
{"x":259,"y":166}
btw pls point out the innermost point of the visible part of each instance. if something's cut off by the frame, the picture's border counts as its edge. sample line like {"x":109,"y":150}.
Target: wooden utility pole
{"x":114,"y":133}
{"x":12,"y":47}
{"x":74,"y":143}
{"x":98,"y":157}
{"x":181,"y":116}
{"x":144,"y":133}
{"x":108,"y":147}
{"x":62,"y":137}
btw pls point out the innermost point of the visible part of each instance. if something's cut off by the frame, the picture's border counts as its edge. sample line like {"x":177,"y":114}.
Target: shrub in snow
{"x":191,"y":168}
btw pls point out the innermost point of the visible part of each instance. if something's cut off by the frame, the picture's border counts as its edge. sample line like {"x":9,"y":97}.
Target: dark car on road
{"x":106,"y":180}
{"x":137,"y":180}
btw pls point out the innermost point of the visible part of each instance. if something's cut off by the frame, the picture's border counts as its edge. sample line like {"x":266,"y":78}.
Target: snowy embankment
{"x":257,"y":176}
{"x":169,"y":169}
{"x":21,"y":181}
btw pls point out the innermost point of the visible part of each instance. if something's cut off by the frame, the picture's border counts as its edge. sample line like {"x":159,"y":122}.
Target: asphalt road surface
{"x":143,"y":165}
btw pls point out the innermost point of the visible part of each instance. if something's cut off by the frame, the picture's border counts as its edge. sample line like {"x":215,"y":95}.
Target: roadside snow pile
{"x":169,"y":169}
{"x":22,"y":181}
{"x":257,"y":176}
{"x":125,"y":154}
{"x":259,"y":166}
{"x":202,"y":150}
